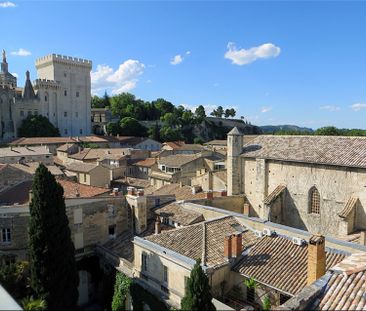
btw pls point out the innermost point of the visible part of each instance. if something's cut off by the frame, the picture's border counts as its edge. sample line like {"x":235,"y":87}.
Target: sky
{"x":275,"y":62}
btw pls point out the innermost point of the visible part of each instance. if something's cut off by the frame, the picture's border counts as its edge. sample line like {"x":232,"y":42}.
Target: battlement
{"x":45,"y":83}
{"x":63,"y":59}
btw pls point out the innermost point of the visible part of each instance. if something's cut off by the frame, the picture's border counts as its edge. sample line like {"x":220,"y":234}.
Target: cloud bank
{"x":21,"y":52}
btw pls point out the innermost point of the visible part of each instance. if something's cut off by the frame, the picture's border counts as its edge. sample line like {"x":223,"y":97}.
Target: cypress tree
{"x":198,"y":293}
{"x":54,"y":275}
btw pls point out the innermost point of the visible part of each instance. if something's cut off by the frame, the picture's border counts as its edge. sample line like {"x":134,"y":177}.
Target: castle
{"x":62,"y":93}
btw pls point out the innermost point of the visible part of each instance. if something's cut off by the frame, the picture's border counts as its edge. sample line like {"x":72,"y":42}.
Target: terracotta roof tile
{"x":179,"y":214}
{"x":149,"y":162}
{"x":280,"y":263}
{"x":76,"y":190}
{"x":178,"y":160}
{"x":330,"y":150}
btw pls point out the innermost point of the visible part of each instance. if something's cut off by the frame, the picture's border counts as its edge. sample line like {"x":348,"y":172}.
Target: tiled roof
{"x":346,"y":287}
{"x":278,"y":262}
{"x":66,"y":147}
{"x":130,"y":140}
{"x":146,"y":162}
{"x":178,"y":160}
{"x":274,"y":194}
{"x":181,"y":192}
{"x":205,"y":239}
{"x":18,"y":194}
{"x":81,"y":167}
{"x":76,"y":190}
{"x":23,"y":151}
{"x":30,"y":168}
{"x":179,"y":214}
{"x":100,"y":153}
{"x":41,"y":140}
{"x":330,"y":150}
{"x":348,"y":207}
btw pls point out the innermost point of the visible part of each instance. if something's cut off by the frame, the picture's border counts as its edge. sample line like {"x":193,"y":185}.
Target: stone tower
{"x":137,"y":202}
{"x":234,"y":170}
{"x":64,"y":87}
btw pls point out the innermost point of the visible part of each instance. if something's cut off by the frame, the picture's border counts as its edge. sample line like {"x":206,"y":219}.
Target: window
{"x":65,"y":74}
{"x":144,"y":261}
{"x":65,"y":113}
{"x":22,"y":113}
{"x":76,"y":114}
{"x":45,"y":98}
{"x":65,"y":131}
{"x":35,"y":112}
{"x":65,"y":92}
{"x":81,"y":131}
{"x":165,"y":274}
{"x":112,"y":231}
{"x":77,"y":94}
{"x":5,"y":235}
{"x":314,"y":201}
{"x":84,"y":177}
{"x":29,"y":113}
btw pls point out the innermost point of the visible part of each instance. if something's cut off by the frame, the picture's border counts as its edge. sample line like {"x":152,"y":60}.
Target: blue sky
{"x":276,"y":62}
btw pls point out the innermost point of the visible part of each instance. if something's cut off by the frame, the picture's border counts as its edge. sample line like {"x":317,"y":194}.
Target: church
{"x":313,"y":183}
{"x":62,"y":93}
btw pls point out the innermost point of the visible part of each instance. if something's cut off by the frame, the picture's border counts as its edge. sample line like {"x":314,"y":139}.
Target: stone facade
{"x":257,"y":178}
{"x":91,"y":221}
{"x":62,"y":94}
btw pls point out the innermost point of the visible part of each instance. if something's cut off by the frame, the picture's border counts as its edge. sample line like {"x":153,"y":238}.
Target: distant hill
{"x":270,"y":129}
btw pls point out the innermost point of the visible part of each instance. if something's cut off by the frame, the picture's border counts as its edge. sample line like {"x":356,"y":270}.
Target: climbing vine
{"x":121,"y":289}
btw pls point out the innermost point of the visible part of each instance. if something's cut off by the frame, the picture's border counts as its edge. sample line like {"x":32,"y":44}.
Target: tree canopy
{"x":54,"y":276}
{"x":37,"y":126}
{"x":198,"y":293}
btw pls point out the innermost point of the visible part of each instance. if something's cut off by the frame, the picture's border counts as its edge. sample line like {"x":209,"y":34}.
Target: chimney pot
{"x":316,"y":258}
{"x":246,"y":209}
{"x":236,"y":244}
{"x":223,"y":193}
{"x":157,"y":225}
{"x":227,"y":247}
{"x":363,"y":237}
{"x":209,"y":195}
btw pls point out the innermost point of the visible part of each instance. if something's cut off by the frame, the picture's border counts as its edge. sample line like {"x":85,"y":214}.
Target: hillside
{"x":270,"y":129}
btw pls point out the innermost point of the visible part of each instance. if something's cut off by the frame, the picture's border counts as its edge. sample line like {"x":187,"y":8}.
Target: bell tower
{"x":234,"y":169}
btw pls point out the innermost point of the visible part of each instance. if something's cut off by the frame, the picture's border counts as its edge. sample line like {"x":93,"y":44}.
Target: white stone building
{"x":62,"y":93}
{"x":314,"y":183}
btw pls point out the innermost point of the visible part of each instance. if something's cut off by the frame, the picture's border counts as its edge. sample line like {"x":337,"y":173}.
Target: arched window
{"x":314,"y":201}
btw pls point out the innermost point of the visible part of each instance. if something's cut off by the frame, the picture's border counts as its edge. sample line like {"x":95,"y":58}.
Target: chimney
{"x":227,"y":247}
{"x":316,"y":258}
{"x":236,"y":244}
{"x":209,"y":195}
{"x":131,"y":190}
{"x":140,"y":192}
{"x":363,"y":237}
{"x":223,"y":193}
{"x":246,"y":209}
{"x":30,"y":195}
{"x":157,"y":225}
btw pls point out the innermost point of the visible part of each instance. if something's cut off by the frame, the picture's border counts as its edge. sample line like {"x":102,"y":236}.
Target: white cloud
{"x":21,"y":52}
{"x":7,"y":4}
{"x":244,"y":57}
{"x":177,"y":59}
{"x":266,"y":109}
{"x":123,"y":79}
{"x":358,"y":106}
{"x":330,"y":108}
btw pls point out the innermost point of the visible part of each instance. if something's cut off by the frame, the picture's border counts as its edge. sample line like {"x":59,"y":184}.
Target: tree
{"x":121,"y":288}
{"x":163,"y":106}
{"x":113,"y":128}
{"x":230,"y":113}
{"x":132,"y":127}
{"x":51,"y":251}
{"x":170,"y":119}
{"x":198,"y":293}
{"x":120,"y":102}
{"x":97,"y":102}
{"x":105,"y":100}
{"x":154,"y":132}
{"x":169,"y":134}
{"x":37,"y":126}
{"x":200,"y":113}
{"x":219,"y":112}
{"x":328,"y":130}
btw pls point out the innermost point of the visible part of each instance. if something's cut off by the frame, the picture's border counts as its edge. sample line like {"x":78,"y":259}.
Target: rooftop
{"x":178,"y":160}
{"x":278,"y":262}
{"x":179,"y":214}
{"x":203,"y":240}
{"x":23,"y":151}
{"x":329,"y":150}
{"x":30,"y":167}
{"x":149,"y":162}
{"x":81,"y":167}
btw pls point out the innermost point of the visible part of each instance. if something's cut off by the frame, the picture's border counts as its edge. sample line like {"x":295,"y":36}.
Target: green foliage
{"x":169,"y":134}
{"x":218,"y":112}
{"x":51,"y":251}
{"x":37,"y":126}
{"x":89,"y":145}
{"x":200,"y":113}
{"x":328,"y":130}
{"x":266,"y":303}
{"x":97,"y":102}
{"x":250,"y":283}
{"x":15,"y":278}
{"x":198,"y":293}
{"x":132,"y":127}
{"x":113,"y":128}
{"x":121,"y":288}
{"x":31,"y":304}
{"x":154,"y":132}
{"x":198,"y":140}
{"x":230,"y":113}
